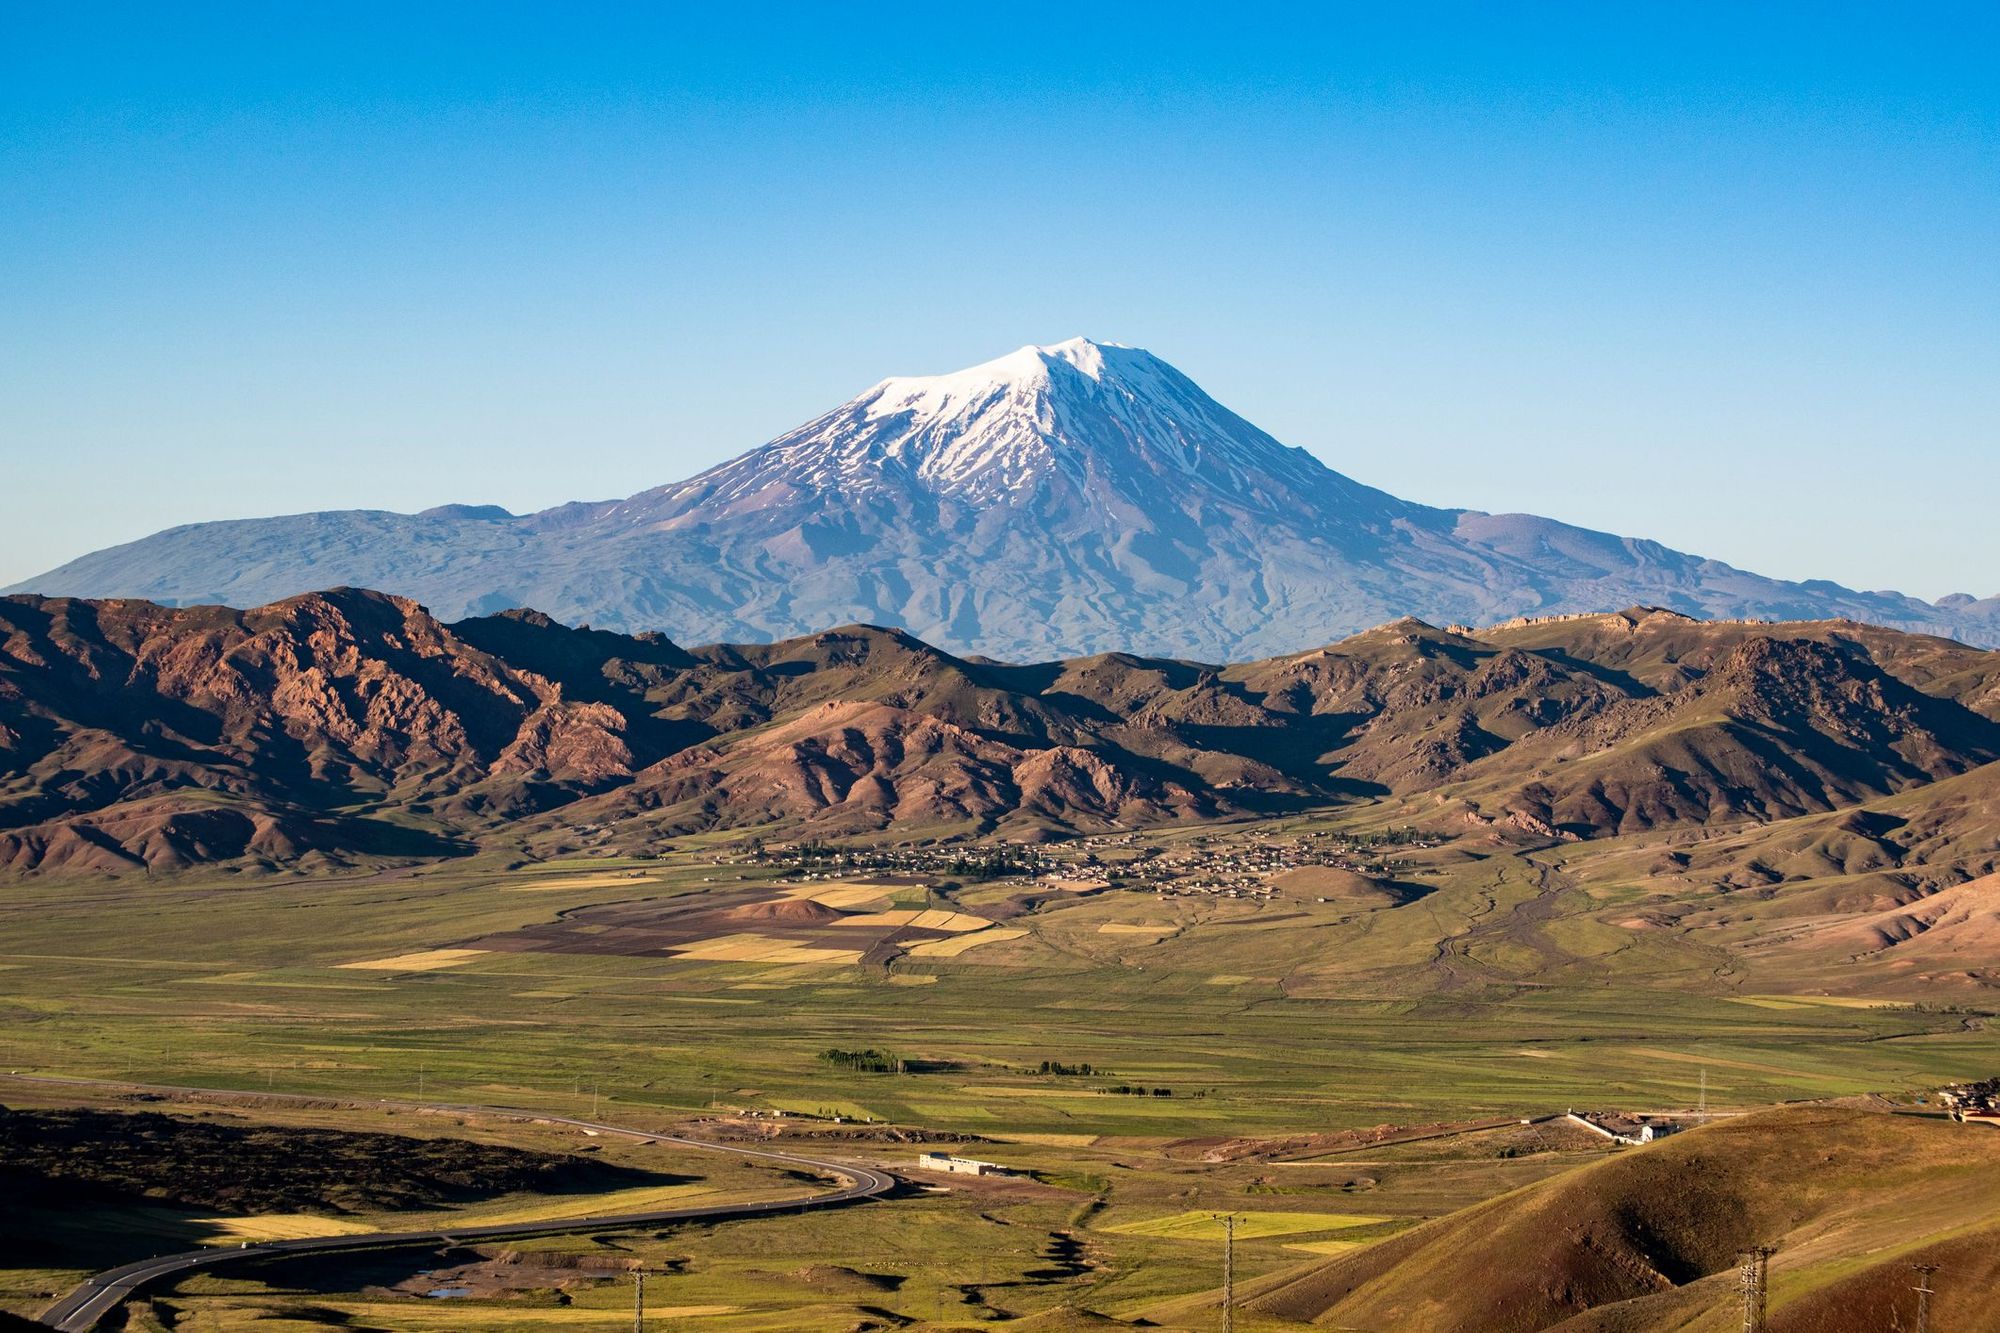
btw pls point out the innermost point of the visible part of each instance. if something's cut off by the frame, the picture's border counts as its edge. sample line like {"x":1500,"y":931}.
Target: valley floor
{"x":1150,"y":1045}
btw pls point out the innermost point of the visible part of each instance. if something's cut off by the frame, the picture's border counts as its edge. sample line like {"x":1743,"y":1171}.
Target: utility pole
{"x":1228,"y":1272}
{"x":1754,"y":1276}
{"x":593,"y":1099}
{"x":639,"y":1302}
{"x":1704,"y":1092}
{"x":420,"y":1078}
{"x":1924,"y":1294}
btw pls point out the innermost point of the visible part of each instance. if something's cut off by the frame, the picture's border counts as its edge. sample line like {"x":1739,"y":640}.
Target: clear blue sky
{"x":1725,"y":276}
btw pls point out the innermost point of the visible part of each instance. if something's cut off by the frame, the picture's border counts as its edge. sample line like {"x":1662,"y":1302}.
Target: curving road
{"x":82,"y":1309}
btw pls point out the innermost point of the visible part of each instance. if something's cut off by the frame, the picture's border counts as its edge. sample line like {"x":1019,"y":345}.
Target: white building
{"x":960,"y":1166}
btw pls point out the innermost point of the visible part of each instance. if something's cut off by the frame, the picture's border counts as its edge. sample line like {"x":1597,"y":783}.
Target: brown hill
{"x":855,"y":767}
{"x":1772,"y":729}
{"x":789,"y":911}
{"x":1650,"y":1238}
{"x":1663,"y":650}
{"x":1955,"y":928}
{"x":348,"y":727}
{"x":135,"y":736}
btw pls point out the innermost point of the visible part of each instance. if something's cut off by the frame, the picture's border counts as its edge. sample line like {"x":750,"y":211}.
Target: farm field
{"x":1507,"y":987}
{"x":1148,"y":1054}
{"x":1120,"y":1226}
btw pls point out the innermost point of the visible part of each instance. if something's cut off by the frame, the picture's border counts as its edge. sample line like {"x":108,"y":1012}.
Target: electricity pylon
{"x":1754,"y":1277}
{"x":1228,"y":1272}
{"x":1924,"y":1294}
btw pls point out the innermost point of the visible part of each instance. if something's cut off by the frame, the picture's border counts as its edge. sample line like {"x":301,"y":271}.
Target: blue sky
{"x":1727,"y":280}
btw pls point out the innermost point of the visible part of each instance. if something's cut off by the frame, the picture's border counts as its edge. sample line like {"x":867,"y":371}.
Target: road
{"x":83,"y":1308}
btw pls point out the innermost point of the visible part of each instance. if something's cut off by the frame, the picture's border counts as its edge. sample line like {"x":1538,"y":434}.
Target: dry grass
{"x":934,"y":919}
{"x":646,"y":1198}
{"x":765,"y":949}
{"x":1658,"y":1229}
{"x":424,"y":960}
{"x":843,"y":895}
{"x":954,"y":947}
{"x":1202,"y":1224}
{"x":1325,"y":1247}
{"x":277,"y":1226}
{"x":603,"y":880}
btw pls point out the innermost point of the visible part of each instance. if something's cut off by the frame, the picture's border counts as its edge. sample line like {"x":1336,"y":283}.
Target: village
{"x":1214,"y":865}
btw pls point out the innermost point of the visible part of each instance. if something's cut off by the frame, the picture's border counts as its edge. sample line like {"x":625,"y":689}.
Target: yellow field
{"x":441,"y":1315}
{"x":753,"y":948}
{"x":278,"y":1226}
{"x":1808,"y":1001}
{"x":1201,"y":1225}
{"x":602,"y":880}
{"x":1326,"y":1246}
{"x":642,"y":1200}
{"x":936,"y":918}
{"x":1049,"y":1140}
{"x":1134,"y":928}
{"x":953,"y":948}
{"x":844,"y":895}
{"x":426,"y":960}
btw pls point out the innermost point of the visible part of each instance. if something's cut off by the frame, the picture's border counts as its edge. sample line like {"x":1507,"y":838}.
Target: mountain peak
{"x":1026,"y":370}
{"x":1063,"y":498}
{"x":1085,"y":426}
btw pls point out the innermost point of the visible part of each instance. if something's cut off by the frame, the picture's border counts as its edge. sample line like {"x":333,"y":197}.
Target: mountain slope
{"x":1072,"y":499}
{"x":1775,"y":728}
{"x":349,"y":727}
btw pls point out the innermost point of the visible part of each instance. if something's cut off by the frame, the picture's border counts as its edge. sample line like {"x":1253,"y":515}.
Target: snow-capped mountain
{"x":1083,"y":419}
{"x":1074,"y":498}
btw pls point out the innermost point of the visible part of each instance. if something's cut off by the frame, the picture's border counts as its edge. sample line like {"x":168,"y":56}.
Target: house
{"x":960,"y":1166}
{"x":1628,"y":1129}
{"x":1975,"y":1103}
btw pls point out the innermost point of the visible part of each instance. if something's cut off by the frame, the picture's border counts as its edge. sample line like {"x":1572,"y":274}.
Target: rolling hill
{"x":1650,"y":1239}
{"x":350,"y":727}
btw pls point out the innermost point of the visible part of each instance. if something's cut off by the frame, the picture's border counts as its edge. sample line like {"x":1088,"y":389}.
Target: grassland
{"x":1505,"y":981}
{"x":1499,"y":991}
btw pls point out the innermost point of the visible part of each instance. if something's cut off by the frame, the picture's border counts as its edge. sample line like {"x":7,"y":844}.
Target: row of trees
{"x":869,"y":1061}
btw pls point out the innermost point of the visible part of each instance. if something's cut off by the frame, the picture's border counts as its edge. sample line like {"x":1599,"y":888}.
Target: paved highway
{"x":82,"y":1309}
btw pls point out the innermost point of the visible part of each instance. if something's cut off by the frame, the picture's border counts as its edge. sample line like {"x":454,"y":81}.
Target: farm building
{"x":1973,"y":1102}
{"x":1628,"y":1129}
{"x":961,"y":1166}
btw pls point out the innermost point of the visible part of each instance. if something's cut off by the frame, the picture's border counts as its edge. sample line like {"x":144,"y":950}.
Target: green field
{"x":1508,"y":988}
{"x":1284,"y":1015}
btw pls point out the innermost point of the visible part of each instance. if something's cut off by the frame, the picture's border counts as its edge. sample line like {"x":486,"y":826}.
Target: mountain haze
{"x":1077,"y":498}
